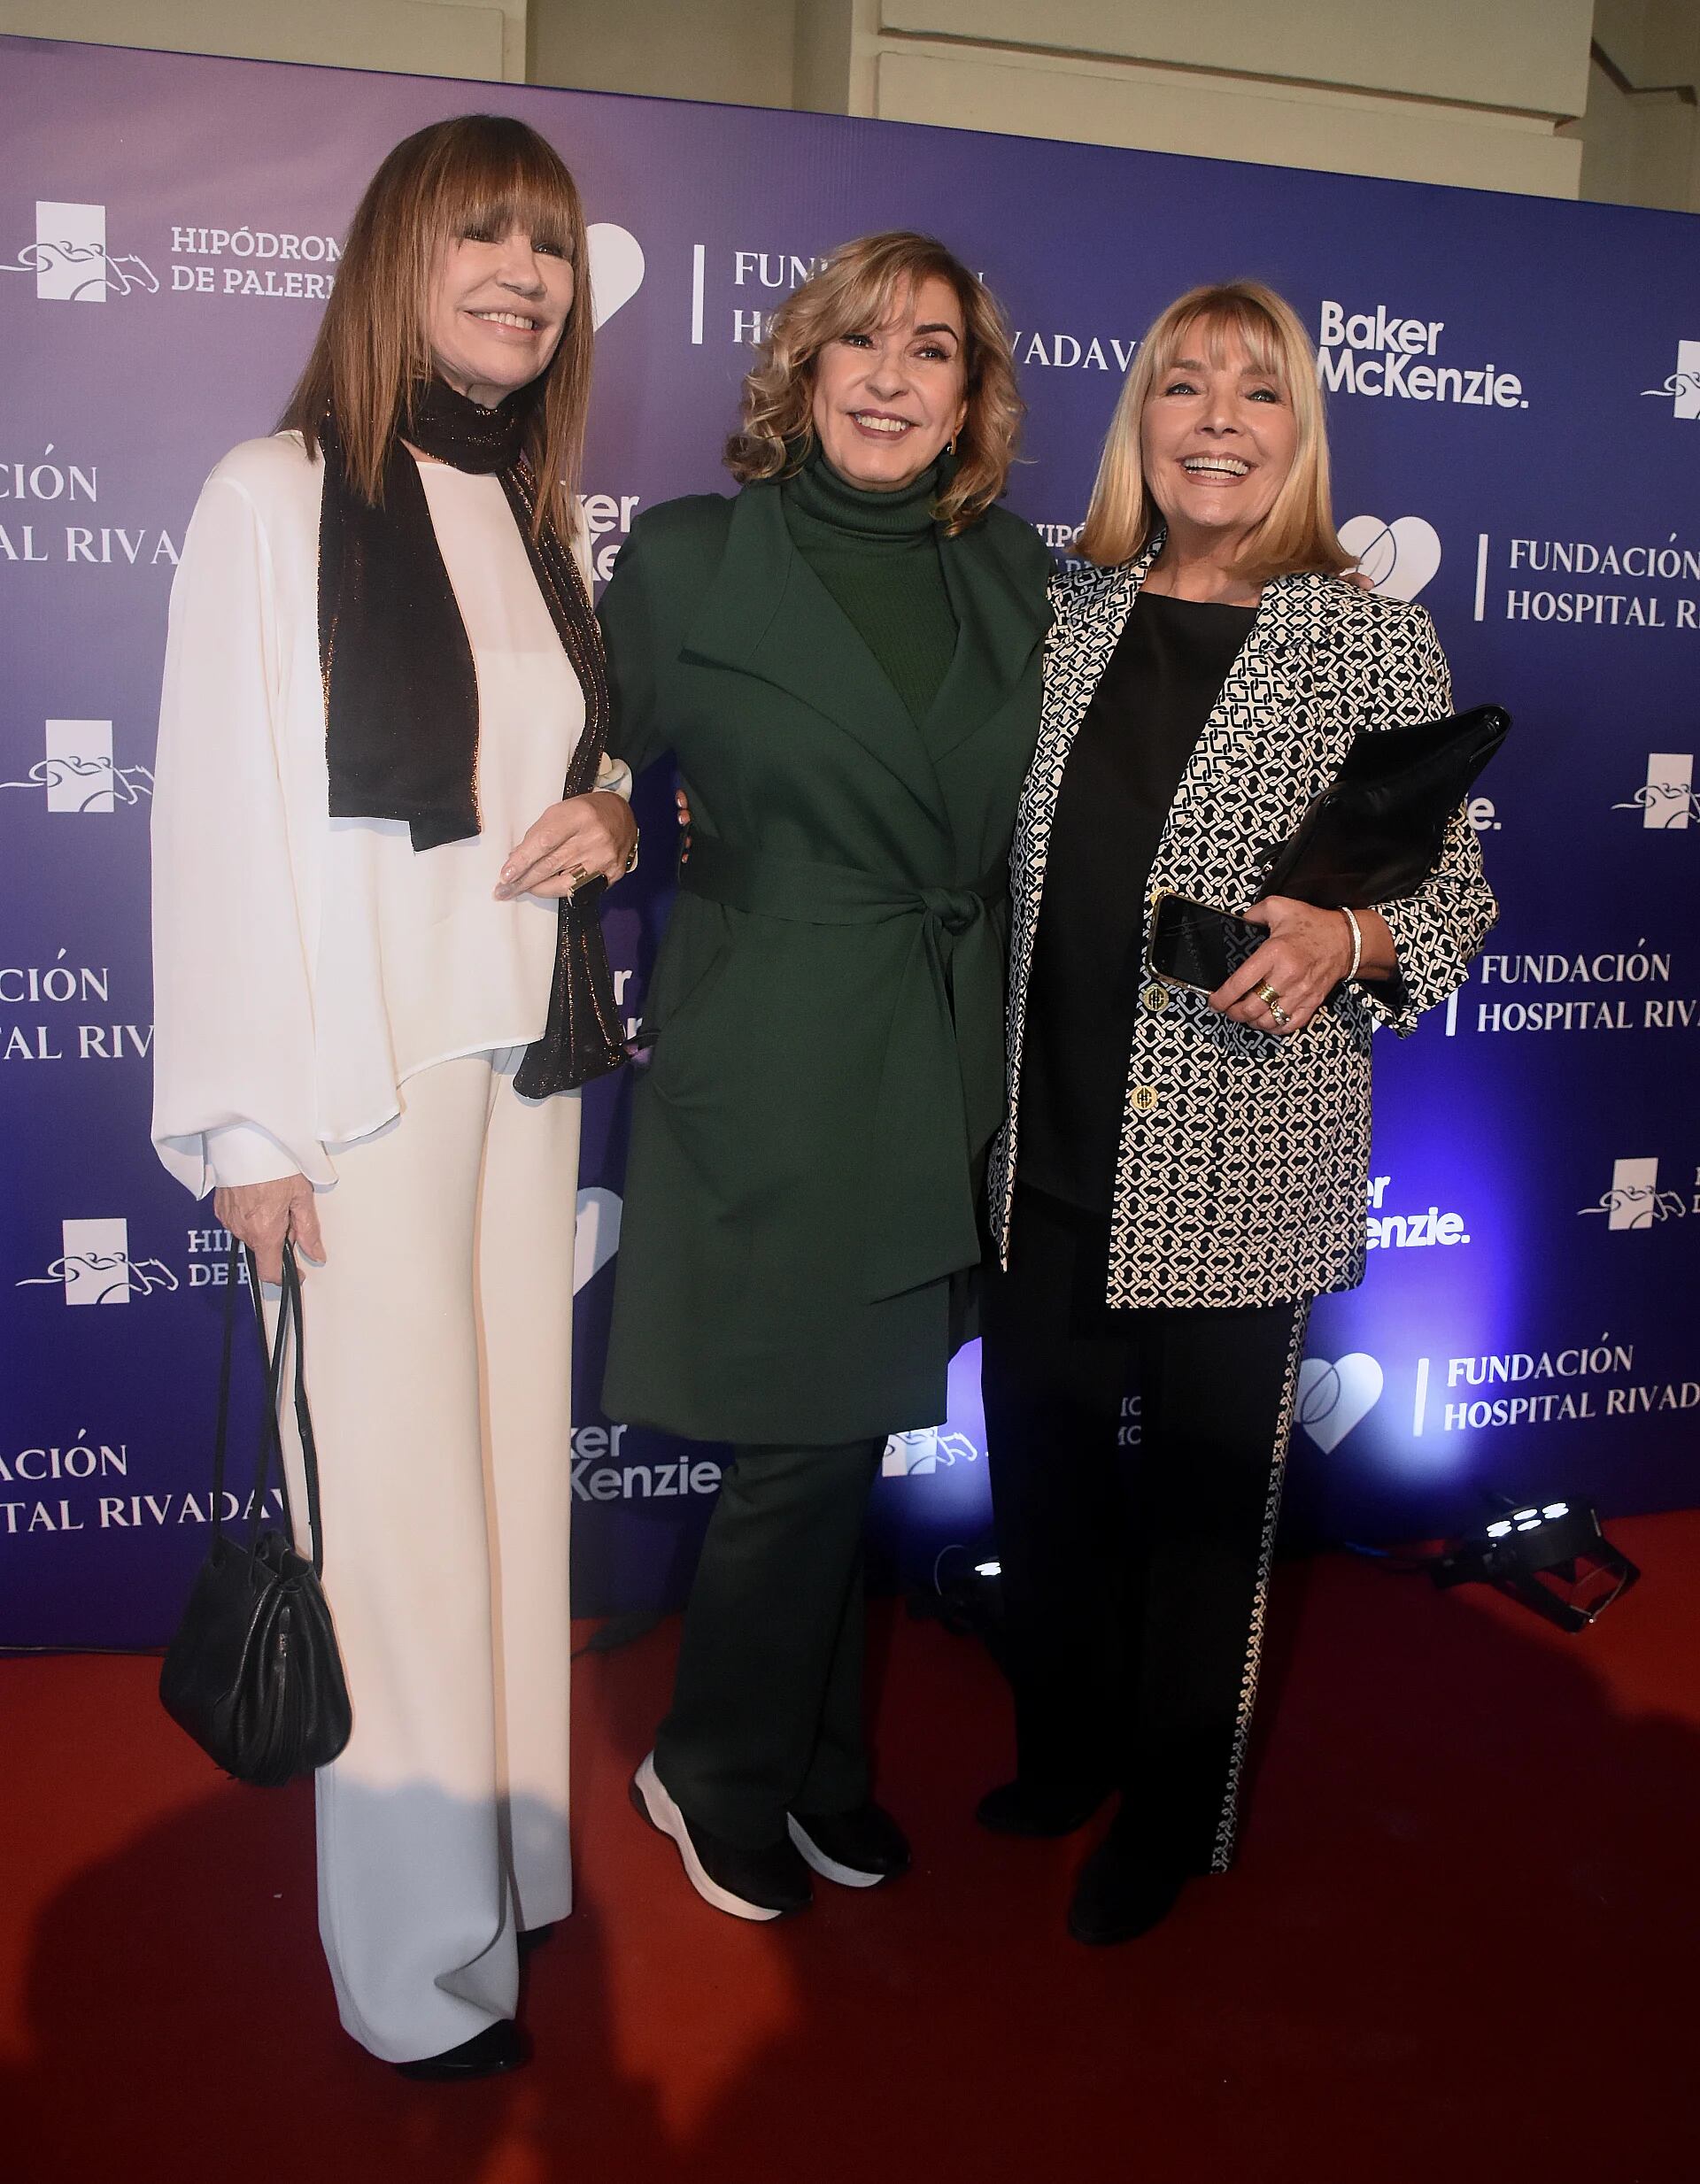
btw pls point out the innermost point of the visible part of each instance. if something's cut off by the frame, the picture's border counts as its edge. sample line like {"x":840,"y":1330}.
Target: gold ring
{"x":1267,"y":995}
{"x":578,"y":875}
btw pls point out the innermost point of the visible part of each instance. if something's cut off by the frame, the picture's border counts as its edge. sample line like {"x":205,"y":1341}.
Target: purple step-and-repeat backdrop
{"x":1514,"y":386}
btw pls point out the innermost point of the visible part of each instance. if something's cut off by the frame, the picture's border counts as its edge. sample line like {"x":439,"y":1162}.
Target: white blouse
{"x":306,"y":967}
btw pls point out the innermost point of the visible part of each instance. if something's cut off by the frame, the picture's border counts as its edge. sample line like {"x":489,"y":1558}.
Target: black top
{"x":1084,"y":985}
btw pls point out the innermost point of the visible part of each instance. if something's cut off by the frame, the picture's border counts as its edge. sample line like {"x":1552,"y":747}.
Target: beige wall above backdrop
{"x":1640,"y":133}
{"x":484,"y":38}
{"x":1592,"y":99}
{"x":1463,"y":91}
{"x":737,"y":52}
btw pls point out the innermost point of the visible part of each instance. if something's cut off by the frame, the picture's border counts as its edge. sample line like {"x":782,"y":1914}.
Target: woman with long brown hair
{"x":845,"y":659}
{"x":380,"y":980}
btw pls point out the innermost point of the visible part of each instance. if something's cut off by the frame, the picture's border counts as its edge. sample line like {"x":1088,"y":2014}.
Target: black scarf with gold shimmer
{"x":401,"y":694}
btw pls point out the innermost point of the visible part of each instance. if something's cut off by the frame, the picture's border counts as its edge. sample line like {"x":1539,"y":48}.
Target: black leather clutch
{"x":1374,"y":834}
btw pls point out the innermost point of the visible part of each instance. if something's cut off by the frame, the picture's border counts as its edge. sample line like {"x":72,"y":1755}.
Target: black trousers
{"x":1136,"y":1460}
{"x":766,"y":1713}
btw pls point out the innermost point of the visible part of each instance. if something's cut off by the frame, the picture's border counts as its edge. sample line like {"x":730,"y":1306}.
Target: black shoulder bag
{"x":253,"y":1673}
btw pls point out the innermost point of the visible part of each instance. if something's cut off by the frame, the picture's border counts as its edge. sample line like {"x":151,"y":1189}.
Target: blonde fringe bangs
{"x":1298,"y":532}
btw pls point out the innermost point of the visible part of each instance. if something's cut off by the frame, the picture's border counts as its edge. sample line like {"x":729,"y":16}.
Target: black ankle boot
{"x":1122,"y":1892}
{"x":1043,"y":1808}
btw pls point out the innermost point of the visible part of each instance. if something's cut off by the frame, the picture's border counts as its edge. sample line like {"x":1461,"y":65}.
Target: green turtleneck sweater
{"x":877,"y":554}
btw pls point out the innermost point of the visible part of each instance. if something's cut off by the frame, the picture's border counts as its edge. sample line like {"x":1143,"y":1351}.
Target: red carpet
{"x":1462,"y":1942}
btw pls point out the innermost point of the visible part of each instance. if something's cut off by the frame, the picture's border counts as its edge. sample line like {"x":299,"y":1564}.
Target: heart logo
{"x":1399,"y":558}
{"x":596,"y":1235}
{"x":1333,"y":1399}
{"x":616,"y":269}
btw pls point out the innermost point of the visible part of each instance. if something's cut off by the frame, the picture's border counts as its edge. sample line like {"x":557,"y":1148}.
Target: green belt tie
{"x":941,"y":1091}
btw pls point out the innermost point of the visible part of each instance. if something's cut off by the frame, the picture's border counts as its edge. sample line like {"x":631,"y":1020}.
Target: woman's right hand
{"x":580,"y":838}
{"x":266,"y":1215}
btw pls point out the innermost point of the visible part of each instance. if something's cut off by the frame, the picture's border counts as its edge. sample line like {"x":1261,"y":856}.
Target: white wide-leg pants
{"x":438,"y":1339}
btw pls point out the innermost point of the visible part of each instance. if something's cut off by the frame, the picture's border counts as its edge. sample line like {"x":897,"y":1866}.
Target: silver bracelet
{"x":1357,"y":942}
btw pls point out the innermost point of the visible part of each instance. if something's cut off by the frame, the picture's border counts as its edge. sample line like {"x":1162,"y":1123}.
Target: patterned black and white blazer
{"x":1244,"y":1161}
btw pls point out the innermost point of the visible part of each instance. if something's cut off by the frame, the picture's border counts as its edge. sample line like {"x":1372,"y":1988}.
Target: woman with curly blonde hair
{"x":844,"y":658}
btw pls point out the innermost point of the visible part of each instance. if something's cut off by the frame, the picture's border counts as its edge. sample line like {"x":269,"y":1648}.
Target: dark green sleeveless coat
{"x":827,"y":1008}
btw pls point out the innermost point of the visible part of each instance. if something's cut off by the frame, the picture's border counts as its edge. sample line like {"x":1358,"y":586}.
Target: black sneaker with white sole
{"x":857,"y":1850}
{"x":769,"y":1883}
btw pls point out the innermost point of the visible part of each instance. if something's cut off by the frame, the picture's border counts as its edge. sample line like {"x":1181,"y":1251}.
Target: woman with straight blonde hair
{"x":1181,"y":1172}
{"x":380,"y":981}
{"x":845,"y":659}
{"x":1293,"y":529}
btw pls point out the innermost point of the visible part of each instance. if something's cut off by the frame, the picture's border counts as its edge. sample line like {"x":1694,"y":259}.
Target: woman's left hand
{"x":1308,"y":952}
{"x":581,"y":838}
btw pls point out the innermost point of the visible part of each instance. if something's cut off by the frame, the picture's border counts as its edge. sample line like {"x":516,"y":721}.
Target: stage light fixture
{"x":1551,"y":1555}
{"x":969,"y":1603}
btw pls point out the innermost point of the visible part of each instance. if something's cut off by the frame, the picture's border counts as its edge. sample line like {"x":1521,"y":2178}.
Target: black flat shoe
{"x":1121,"y":1894}
{"x":534,"y":1937}
{"x":1021,"y":1808}
{"x":771,"y":1882}
{"x":857,"y":1850}
{"x":500,"y":2046}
